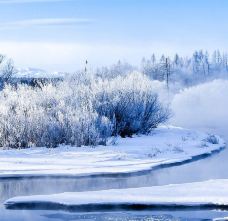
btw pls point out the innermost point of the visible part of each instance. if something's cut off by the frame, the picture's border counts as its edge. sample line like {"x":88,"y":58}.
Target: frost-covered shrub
{"x":212,"y":139}
{"x":131,"y":104}
{"x":48,"y":117}
{"x":81,"y":110}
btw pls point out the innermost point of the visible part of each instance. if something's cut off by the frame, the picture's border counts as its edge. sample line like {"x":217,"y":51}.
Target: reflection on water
{"x":112,"y":216}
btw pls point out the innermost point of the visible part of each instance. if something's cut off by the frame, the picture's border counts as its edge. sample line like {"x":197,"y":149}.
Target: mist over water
{"x":203,"y":107}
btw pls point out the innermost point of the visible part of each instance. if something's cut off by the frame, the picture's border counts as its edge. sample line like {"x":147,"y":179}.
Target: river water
{"x":214,"y":167}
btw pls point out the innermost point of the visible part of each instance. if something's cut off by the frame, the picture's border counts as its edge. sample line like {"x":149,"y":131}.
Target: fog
{"x":202,"y":107}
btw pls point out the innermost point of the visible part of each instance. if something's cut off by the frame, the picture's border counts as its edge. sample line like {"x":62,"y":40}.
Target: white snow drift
{"x":212,"y":192}
{"x":163,"y":147}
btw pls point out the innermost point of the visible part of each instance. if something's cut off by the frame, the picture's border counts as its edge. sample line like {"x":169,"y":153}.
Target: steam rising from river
{"x":203,"y":106}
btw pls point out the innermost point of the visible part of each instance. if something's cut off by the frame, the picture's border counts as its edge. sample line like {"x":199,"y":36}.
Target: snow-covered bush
{"x":7,"y":70}
{"x":82,"y":110}
{"x":212,"y":139}
{"x":131,"y":104}
{"x":49,"y":116}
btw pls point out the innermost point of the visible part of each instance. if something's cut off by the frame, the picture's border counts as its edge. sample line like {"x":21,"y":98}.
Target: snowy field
{"x":166,"y":145}
{"x":212,"y":193}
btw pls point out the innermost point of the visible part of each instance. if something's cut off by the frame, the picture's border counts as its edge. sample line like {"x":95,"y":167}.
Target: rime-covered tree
{"x":7,"y":70}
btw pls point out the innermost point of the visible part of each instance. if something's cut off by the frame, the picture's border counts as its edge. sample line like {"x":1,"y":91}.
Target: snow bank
{"x":207,"y":194}
{"x":223,"y":219}
{"x":202,"y":106}
{"x":165,"y":146}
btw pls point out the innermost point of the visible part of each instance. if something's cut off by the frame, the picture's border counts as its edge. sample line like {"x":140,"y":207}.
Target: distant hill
{"x":37,"y":73}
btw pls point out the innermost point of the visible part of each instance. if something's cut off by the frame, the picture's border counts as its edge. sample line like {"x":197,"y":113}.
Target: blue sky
{"x":61,"y":34}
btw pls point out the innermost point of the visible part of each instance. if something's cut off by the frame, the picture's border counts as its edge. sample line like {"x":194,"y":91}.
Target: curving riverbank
{"x":166,"y":146}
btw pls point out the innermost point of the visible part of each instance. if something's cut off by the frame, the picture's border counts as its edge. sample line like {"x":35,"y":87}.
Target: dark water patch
{"x":102,"y":207}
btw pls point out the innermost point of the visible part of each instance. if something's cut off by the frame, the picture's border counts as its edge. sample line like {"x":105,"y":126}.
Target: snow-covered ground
{"x":205,"y":194}
{"x":166,"y":145}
